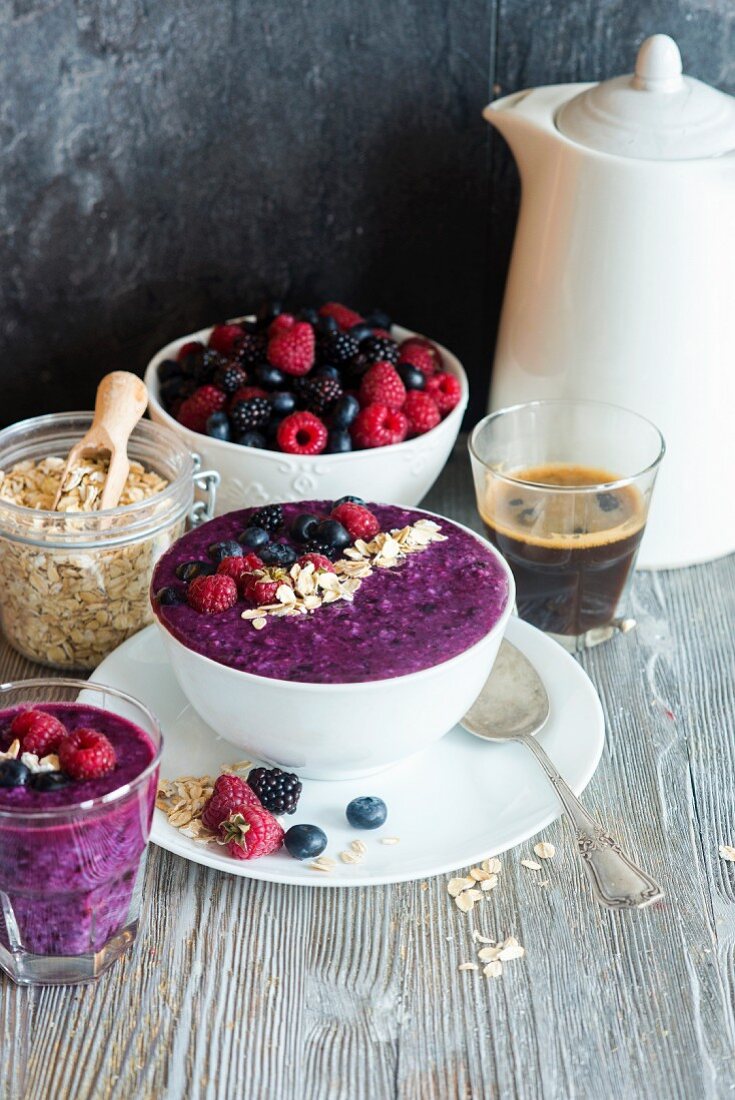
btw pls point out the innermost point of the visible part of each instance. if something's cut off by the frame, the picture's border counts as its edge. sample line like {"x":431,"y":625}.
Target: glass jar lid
{"x":655,"y":113}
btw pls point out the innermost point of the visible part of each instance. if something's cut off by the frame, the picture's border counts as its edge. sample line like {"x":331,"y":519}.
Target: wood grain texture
{"x":163,"y":164}
{"x":251,"y":989}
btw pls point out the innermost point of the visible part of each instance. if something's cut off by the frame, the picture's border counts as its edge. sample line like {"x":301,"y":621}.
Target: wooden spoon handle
{"x":121,"y":401}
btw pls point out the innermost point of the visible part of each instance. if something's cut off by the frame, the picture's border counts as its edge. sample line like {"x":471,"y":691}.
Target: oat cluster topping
{"x":48,"y":763}
{"x":305,"y":588}
{"x":35,"y":484}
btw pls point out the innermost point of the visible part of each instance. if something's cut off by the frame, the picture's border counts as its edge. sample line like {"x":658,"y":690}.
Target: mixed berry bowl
{"x":332,"y":638}
{"x":376,"y":424}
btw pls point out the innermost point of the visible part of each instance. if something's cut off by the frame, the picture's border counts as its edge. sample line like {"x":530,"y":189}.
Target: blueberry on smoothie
{"x":367,"y":812}
{"x":254,"y":537}
{"x":13,"y":773}
{"x":218,"y":551}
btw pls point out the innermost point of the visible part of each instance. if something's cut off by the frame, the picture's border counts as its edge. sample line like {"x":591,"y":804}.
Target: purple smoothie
{"x":66,"y":880}
{"x":432,"y":607}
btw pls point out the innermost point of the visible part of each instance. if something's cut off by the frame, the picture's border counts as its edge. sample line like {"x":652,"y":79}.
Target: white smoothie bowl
{"x":338,"y":731}
{"x":399,"y":474}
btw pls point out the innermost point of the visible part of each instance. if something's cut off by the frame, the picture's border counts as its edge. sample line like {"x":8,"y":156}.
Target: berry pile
{"x":318,"y":380}
{"x":83,"y":753}
{"x":254,"y":566}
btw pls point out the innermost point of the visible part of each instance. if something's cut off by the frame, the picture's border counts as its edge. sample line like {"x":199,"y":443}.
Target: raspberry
{"x":422,"y":412}
{"x":446,"y":391}
{"x":319,"y":561}
{"x":344,"y":317}
{"x":378,"y":426}
{"x":251,"y":832}
{"x":192,"y":347}
{"x":292,"y":351}
{"x":236,"y":567}
{"x":380,"y":348}
{"x":37,"y":732}
{"x":86,"y":754}
{"x":359,"y":522}
{"x":277,"y":791}
{"x":225,"y":338}
{"x":382,"y":386}
{"x":253,"y":413}
{"x":211,"y":594}
{"x":229,"y":378}
{"x":259,"y":589}
{"x":231,"y":793}
{"x":302,"y":433}
{"x":408,"y":346}
{"x":196,"y":410}
{"x":418,"y":356}
{"x":245,"y":393}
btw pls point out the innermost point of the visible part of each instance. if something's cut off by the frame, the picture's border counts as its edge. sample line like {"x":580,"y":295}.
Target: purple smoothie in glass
{"x":430,"y":608}
{"x":69,"y":857}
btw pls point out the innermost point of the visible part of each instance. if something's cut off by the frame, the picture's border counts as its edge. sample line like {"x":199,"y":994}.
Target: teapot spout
{"x":526,"y":119}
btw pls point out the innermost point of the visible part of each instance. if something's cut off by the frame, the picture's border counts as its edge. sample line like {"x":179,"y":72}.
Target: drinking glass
{"x":71,"y":876}
{"x":564,"y":488}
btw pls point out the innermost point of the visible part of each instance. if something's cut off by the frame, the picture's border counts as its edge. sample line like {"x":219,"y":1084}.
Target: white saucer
{"x":452,"y":805}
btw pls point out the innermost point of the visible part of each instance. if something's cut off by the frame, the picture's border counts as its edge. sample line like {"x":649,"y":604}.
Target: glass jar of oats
{"x":75,"y":581}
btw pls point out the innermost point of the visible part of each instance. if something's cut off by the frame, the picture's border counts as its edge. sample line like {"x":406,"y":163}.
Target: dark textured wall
{"x":162,"y":163}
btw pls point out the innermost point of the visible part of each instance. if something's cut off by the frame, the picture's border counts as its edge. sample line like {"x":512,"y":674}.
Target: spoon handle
{"x":615,"y":879}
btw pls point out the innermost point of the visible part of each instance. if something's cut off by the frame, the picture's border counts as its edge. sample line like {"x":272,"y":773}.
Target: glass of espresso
{"x":563,"y":488}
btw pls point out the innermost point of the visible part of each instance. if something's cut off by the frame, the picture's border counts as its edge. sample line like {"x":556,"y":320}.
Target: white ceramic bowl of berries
{"x":317,"y":403}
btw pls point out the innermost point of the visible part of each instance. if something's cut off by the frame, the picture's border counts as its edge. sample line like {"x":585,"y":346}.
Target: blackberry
{"x":277,"y":790}
{"x":253,"y":413}
{"x":269,"y":518}
{"x":229,"y":377}
{"x":380,"y":349}
{"x":200,"y":366}
{"x":251,"y":349}
{"x":176,"y":389}
{"x":339,"y":348}
{"x":168,"y":369}
{"x":318,"y":394}
{"x":318,"y":546}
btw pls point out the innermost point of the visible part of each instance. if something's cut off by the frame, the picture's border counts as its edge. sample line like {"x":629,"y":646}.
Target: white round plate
{"x":454,"y":804}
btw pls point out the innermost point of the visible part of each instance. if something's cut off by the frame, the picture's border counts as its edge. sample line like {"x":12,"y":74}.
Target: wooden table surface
{"x":243,"y":989}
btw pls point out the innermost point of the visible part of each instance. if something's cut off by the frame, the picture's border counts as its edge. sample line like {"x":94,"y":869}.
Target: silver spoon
{"x":513,"y":706}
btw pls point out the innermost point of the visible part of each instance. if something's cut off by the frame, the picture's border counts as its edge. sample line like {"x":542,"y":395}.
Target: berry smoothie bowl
{"x":332,"y":638}
{"x":78,"y":777}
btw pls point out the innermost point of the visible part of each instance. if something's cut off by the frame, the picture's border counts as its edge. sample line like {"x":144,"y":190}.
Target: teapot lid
{"x":655,"y":113}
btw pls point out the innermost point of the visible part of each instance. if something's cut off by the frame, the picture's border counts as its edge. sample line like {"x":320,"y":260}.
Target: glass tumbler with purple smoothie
{"x":72,"y":850}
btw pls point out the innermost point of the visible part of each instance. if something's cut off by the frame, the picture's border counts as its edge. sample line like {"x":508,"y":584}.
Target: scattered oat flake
{"x":544,"y":850}
{"x":493,"y":969}
{"x":350,"y":857}
{"x":359,"y":846}
{"x":259,"y":623}
{"x":390,"y":840}
{"x":727,"y":852}
{"x":514,"y":951}
{"x":489,"y":883}
{"x":492,"y":866}
{"x":480,"y":938}
{"x":531,"y":864}
{"x":323,"y":863}
{"x":468,"y":966}
{"x":463,"y":902}
{"x":474,"y":895}
{"x":478,"y":874}
{"x":486,"y":953}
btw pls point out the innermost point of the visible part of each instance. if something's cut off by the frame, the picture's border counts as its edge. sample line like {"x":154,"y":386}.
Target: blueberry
{"x":338,"y":442}
{"x":328,"y":370}
{"x":348,"y":500}
{"x":218,"y":551}
{"x":361,"y":331}
{"x":14,"y":774}
{"x":333,"y":534}
{"x":254,"y":537}
{"x":282,"y":402}
{"x":268,"y":376}
{"x":174,"y":388}
{"x":251,"y":439}
{"x":345,"y":411}
{"x":271,"y":429}
{"x":167,"y":369}
{"x":305,"y":841}
{"x":188,"y":570}
{"x":49,"y":781}
{"x":411,"y":376}
{"x":302,"y":528}
{"x":309,"y":314}
{"x":367,"y":812}
{"x":169,"y":597}
{"x":278,"y":553}
{"x":218,"y":426}
{"x":327,"y":325}
{"x":378,"y":318}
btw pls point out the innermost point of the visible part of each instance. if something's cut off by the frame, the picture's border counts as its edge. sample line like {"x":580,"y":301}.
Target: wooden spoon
{"x":121,"y":401}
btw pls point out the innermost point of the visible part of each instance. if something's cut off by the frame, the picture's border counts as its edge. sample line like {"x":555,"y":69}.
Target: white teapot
{"x":622,"y":281}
